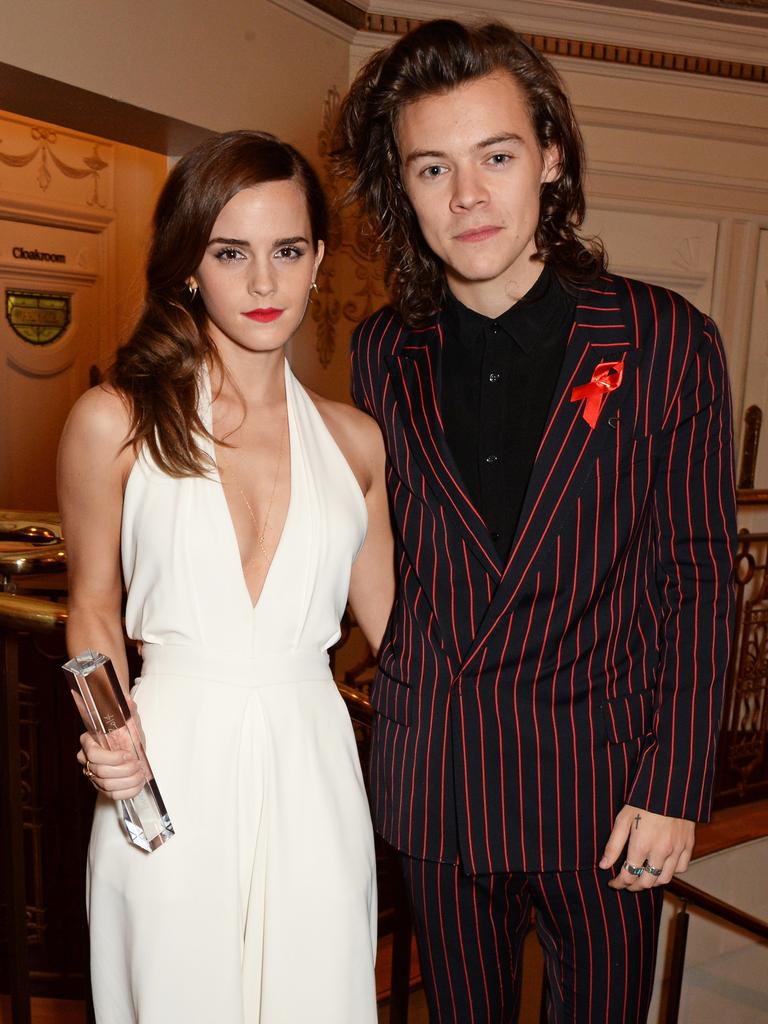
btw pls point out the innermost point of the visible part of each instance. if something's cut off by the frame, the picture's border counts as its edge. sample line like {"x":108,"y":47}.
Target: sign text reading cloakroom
{"x":35,"y":254}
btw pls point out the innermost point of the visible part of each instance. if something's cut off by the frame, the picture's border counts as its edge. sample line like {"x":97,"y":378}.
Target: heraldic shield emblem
{"x":37,"y":317}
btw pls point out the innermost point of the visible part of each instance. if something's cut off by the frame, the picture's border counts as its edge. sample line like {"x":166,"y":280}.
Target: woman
{"x":245,"y":509}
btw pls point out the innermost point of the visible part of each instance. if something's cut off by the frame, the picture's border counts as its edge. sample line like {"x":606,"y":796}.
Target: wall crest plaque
{"x":39,"y":318}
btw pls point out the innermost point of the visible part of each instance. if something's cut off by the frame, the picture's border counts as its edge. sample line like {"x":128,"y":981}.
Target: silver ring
{"x":652,"y":871}
{"x":631,"y":869}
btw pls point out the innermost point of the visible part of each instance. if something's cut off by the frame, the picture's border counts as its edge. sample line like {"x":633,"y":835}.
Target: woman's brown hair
{"x":435,"y":58}
{"x":158,"y":369}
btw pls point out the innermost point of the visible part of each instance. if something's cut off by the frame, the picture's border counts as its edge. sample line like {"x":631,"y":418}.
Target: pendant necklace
{"x":261,"y":533}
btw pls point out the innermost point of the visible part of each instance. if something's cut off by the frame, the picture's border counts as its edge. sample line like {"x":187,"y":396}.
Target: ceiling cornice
{"x":370,"y":21}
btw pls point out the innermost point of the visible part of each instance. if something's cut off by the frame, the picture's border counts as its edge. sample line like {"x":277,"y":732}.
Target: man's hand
{"x":655,"y":842}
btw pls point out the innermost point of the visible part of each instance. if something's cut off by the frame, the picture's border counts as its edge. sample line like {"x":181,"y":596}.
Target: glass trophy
{"x":105,"y":712}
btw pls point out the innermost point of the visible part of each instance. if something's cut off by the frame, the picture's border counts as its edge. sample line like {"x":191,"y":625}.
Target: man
{"x":560,"y":475}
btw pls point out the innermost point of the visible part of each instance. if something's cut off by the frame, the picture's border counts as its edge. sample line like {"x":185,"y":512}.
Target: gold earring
{"x":192,"y":288}
{"x":314,"y":291}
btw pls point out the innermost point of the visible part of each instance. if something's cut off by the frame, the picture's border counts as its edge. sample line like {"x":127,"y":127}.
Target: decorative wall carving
{"x":753,"y":419}
{"x":45,"y":140}
{"x":673,"y":251}
{"x":743,"y":750}
{"x":351,"y":278}
{"x":29,"y":715}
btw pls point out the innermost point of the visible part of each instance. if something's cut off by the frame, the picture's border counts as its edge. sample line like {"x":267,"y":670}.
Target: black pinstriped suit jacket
{"x":519,"y":706}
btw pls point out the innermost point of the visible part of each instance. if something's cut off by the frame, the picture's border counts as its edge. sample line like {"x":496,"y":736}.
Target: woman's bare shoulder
{"x":348,"y":418}
{"x":98,"y":428}
{"x":102,"y":412}
{"x":356,"y":433}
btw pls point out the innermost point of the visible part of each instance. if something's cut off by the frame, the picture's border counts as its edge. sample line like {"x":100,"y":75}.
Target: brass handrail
{"x":37,"y":614}
{"x":33,"y":561}
{"x":38,"y":543}
{"x":712,"y":905}
{"x":358,"y":703}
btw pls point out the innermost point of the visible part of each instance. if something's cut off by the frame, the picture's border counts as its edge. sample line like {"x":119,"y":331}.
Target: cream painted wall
{"x":139,"y":176}
{"x":243,"y":64}
{"x":90,"y":200}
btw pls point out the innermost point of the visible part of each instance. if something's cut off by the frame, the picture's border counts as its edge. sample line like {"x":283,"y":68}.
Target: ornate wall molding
{"x":350,"y":251}
{"x":355,"y":18}
{"x":45,"y":140}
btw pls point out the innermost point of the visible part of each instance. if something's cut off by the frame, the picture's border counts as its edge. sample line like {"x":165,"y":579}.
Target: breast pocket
{"x":391,"y":698}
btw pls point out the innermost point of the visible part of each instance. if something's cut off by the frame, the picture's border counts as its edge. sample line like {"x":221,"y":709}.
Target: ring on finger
{"x":631,"y":869}
{"x":651,"y":870}
{"x":87,"y":771}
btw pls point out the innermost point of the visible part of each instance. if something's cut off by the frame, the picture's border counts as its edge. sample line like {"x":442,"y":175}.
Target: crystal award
{"x":105,"y":712}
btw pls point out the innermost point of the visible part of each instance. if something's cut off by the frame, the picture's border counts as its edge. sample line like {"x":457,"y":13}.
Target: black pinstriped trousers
{"x":599,"y":944}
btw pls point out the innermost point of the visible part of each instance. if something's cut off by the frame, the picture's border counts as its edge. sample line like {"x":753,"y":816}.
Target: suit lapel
{"x":415,"y":375}
{"x":569,"y":447}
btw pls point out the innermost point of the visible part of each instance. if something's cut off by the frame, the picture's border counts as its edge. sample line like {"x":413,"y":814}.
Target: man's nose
{"x":468,"y":189}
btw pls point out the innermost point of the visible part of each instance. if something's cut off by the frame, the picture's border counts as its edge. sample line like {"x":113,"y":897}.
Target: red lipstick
{"x":478,"y":234}
{"x":264,"y":316}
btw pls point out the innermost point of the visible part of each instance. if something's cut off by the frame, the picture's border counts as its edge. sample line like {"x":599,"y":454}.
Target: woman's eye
{"x":229,"y":255}
{"x":289,"y":252}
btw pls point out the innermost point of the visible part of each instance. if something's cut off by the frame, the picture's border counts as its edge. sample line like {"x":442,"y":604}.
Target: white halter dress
{"x":262,"y":908}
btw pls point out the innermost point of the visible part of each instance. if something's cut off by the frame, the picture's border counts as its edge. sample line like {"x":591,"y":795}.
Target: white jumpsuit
{"x":262,"y":907}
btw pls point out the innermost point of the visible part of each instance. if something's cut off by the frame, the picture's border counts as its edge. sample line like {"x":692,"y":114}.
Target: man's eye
{"x":499,"y":159}
{"x":433,"y":171}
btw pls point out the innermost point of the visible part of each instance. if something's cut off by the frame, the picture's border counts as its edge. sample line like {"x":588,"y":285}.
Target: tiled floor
{"x":727,"y":828}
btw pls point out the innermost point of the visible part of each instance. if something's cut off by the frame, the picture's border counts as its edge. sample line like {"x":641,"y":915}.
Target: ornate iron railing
{"x":742,"y":772}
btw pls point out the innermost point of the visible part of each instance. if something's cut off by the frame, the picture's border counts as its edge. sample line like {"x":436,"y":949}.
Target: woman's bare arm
{"x":372,"y":584}
{"x":93,"y":466}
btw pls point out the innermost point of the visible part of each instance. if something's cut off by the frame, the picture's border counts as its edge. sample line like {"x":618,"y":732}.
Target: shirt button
{"x":493,"y":327}
{"x":491,"y":459}
{"x":494,"y":377}
{"x":495,"y":534}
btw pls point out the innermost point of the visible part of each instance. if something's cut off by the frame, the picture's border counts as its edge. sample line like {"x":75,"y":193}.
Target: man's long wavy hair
{"x":157,"y":371}
{"x":432,"y":59}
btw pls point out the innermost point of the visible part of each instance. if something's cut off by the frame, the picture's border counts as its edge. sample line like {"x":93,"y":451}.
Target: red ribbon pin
{"x":605,"y":379}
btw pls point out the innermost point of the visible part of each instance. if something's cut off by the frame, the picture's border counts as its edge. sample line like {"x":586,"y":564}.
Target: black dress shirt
{"x":497,"y":381}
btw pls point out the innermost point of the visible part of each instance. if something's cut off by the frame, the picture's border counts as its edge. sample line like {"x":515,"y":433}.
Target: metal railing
{"x":711,"y":905}
{"x":30,"y":545}
{"x":742,"y":758}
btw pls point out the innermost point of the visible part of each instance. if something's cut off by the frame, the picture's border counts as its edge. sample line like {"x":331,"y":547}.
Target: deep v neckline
{"x":233,"y":541}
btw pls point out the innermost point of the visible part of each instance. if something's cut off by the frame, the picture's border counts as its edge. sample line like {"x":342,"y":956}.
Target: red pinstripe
{"x":537,"y":676}
{"x":516,"y":690}
{"x":461,"y":946}
{"x":483,"y":765}
{"x":502,"y":779}
{"x":466,"y":780}
{"x":478,"y":945}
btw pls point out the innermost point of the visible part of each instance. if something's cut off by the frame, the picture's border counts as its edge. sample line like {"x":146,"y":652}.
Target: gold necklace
{"x":251,"y":513}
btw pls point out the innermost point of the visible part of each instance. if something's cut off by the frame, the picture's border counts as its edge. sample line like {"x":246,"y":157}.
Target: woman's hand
{"x":115,"y":773}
